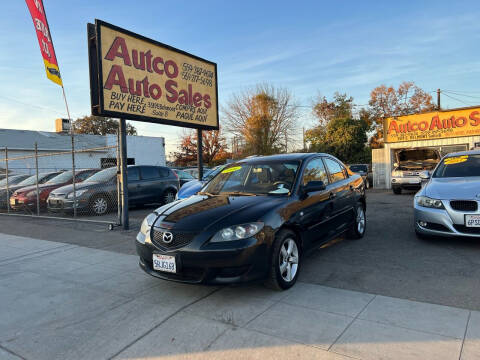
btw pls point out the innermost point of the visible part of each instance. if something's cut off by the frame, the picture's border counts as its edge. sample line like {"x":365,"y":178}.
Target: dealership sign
{"x":137,"y":78}
{"x":433,"y":125}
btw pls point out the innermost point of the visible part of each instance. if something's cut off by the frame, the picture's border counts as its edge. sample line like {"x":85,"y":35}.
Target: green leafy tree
{"x":97,"y":125}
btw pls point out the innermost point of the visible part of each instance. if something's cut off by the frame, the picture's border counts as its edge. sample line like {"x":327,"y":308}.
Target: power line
{"x":455,"y":93}
{"x":454,"y":98}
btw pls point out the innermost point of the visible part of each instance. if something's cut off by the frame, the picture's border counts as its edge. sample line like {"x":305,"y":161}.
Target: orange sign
{"x":433,"y":125}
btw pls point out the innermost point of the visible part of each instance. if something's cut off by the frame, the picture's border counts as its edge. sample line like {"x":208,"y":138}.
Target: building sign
{"x":136,"y":78}
{"x":433,"y":125}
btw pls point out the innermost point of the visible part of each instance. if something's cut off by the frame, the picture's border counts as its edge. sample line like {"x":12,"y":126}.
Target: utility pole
{"x":123,"y":172}
{"x":304,"y":145}
{"x":200,"y":154}
{"x":438,"y":99}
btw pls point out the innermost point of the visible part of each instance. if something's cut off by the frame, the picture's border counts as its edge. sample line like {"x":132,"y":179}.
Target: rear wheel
{"x":357,"y":231}
{"x":397,"y":191}
{"x":168,"y":196}
{"x":285,"y":262}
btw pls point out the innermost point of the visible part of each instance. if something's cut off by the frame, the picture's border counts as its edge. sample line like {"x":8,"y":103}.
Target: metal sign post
{"x":200,"y":154}
{"x":123,"y":172}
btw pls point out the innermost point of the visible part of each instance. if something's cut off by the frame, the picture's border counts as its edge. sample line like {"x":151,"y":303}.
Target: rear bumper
{"x":438,"y":222}
{"x":220,"y":266}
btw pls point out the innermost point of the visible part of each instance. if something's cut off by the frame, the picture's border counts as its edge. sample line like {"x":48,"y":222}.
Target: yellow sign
{"x":232,"y":169}
{"x":455,"y":160}
{"x":141,"y":79}
{"x":433,"y":125}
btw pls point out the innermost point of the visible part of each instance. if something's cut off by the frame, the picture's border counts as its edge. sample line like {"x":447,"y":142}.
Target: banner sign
{"x":136,"y":78}
{"x":433,"y":125}
{"x":44,"y":40}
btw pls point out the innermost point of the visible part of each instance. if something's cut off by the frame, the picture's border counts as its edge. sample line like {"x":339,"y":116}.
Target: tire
{"x":358,"y":228}
{"x":168,"y":196}
{"x":397,"y":191}
{"x":367,"y":184}
{"x":284,"y":274}
{"x":99,"y":205}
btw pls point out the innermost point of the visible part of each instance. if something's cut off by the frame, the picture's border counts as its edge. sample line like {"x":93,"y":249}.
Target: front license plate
{"x":472,"y":220}
{"x":164,"y":263}
{"x":414,"y":181}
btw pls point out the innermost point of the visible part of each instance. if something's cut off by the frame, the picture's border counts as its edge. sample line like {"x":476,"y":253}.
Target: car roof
{"x":282,"y":157}
{"x":460,"y":153}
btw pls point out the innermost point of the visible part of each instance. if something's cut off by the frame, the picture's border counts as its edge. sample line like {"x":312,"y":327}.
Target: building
{"x":446,"y":131}
{"x":92,"y":151}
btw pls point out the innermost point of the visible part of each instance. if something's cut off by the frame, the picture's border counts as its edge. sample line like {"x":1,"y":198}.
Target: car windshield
{"x":269,"y":177}
{"x":102,"y":176}
{"x":61,"y":178}
{"x":358,"y":168}
{"x":12,"y":180}
{"x":458,"y":166}
{"x":210,"y":174}
{"x":32,"y":180}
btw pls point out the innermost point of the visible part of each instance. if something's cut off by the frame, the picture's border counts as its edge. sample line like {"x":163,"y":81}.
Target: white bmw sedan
{"x":448,"y":204}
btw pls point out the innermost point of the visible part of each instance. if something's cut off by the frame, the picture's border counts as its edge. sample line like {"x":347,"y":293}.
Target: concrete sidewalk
{"x":63,"y":301}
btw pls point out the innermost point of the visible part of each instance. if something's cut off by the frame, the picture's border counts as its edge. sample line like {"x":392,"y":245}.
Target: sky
{"x":308,"y":47}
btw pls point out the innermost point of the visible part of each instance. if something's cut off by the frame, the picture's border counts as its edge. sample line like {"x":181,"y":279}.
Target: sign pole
{"x":123,"y":172}
{"x":200,"y":154}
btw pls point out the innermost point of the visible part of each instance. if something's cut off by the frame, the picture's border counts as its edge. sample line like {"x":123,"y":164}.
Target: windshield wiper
{"x":206,"y":193}
{"x":239,"y":193}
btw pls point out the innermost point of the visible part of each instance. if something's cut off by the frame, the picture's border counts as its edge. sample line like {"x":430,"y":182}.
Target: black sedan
{"x":254,"y":220}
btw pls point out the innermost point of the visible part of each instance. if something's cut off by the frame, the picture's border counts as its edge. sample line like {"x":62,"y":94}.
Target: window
{"x":315,"y":171}
{"x":337,"y":171}
{"x":149,"y":173}
{"x":84,"y":175}
{"x":164,"y":172}
{"x":133,"y":174}
{"x":458,"y":166}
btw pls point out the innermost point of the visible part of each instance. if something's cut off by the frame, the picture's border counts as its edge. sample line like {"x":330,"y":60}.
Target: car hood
{"x":453,"y":188}
{"x":11,"y":189}
{"x":201,"y":212}
{"x":411,"y":159}
{"x":40,"y":187}
{"x":83,"y":185}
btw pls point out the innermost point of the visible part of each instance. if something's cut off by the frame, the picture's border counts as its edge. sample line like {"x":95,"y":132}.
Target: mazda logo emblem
{"x":167,"y":237}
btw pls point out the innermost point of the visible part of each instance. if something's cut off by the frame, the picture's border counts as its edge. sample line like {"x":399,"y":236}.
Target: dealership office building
{"x":445,"y":131}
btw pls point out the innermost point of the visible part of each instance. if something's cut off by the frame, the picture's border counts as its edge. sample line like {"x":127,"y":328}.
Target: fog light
{"x":422,"y":223}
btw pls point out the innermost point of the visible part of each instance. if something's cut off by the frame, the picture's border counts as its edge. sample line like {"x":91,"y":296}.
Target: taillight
{"x":176,"y":175}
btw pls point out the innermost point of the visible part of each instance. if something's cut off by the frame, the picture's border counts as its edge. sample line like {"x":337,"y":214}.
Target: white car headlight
{"x":77,"y":193}
{"x":429,"y":202}
{"x":397,"y":173}
{"x":147,"y":223}
{"x":238,"y":232}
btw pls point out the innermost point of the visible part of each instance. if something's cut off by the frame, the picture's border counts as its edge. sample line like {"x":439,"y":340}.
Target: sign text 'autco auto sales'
{"x":141,"y":79}
{"x":433,"y":125}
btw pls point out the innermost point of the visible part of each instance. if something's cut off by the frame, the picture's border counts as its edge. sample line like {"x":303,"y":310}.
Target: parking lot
{"x":74,"y":290}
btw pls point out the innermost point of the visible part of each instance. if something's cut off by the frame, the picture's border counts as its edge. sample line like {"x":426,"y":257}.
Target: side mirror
{"x":313,"y":186}
{"x":424,"y":175}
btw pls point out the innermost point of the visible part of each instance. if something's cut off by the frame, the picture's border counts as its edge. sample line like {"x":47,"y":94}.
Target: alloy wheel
{"x":100,"y":206}
{"x":288,"y":260}
{"x":360,"y":220}
{"x":169,"y":197}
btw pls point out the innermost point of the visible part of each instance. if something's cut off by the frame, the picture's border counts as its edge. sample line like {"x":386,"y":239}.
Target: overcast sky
{"x":309,"y":47}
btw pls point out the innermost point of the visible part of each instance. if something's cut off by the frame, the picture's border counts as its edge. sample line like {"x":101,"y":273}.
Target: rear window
{"x":458,"y":166}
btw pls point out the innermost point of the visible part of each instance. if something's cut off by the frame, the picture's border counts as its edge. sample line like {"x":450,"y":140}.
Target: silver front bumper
{"x":442,"y":222}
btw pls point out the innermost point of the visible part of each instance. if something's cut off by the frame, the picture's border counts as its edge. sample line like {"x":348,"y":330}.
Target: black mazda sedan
{"x":254,"y":220}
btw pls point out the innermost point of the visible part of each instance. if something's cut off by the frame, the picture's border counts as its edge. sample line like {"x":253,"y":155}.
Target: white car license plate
{"x":472,"y":220}
{"x":164,"y":263}
{"x":414,"y":181}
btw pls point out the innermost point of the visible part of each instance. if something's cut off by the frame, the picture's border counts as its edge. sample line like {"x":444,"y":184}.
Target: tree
{"x":337,"y":132}
{"x":97,"y":125}
{"x":263,"y":117}
{"x":385,"y":102}
{"x":214,"y":148}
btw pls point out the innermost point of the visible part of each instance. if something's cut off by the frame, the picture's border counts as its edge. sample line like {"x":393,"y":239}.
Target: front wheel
{"x":357,"y":231}
{"x":99,"y":205}
{"x":285,"y":262}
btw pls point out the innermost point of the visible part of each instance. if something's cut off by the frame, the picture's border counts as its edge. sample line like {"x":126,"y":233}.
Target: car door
{"x":316,"y":207}
{"x":342,"y":194}
{"x":133,"y":181}
{"x":149,"y":185}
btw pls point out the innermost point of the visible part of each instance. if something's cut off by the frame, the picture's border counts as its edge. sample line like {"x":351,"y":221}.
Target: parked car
{"x":12,"y":180}
{"x":254,"y":220}
{"x":183,"y":176}
{"x":26,"y":198}
{"x":192,"y":187}
{"x":365,"y":171}
{"x":194,"y":171}
{"x":31,"y":180}
{"x":408,"y":166}
{"x":98,"y":193}
{"x":447,"y":205}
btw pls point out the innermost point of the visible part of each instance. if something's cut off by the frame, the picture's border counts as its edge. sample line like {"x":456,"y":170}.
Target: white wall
{"x":145,"y":150}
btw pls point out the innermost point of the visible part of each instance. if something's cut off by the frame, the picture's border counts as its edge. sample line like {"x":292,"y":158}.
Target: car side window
{"x":337,"y":171}
{"x":82,"y":176}
{"x":149,"y":173}
{"x":133,"y":174}
{"x":315,"y":171}
{"x":164,"y":172}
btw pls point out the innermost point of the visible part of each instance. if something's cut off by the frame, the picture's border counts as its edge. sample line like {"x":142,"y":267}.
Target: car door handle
{"x":332,"y":195}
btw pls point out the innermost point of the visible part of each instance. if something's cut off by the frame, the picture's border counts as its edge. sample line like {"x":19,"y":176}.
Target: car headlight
{"x":77,"y":193}
{"x":238,"y":232}
{"x":429,"y":202}
{"x":147,"y":223}
{"x":397,"y":173}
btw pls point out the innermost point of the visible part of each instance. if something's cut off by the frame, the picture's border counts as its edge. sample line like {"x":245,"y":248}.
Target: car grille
{"x":464,"y":205}
{"x":179,"y":238}
{"x":467,"y":230}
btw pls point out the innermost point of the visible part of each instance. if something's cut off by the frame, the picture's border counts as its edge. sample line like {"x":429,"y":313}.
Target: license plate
{"x":472,"y":220}
{"x":414,"y":181}
{"x":164,"y":263}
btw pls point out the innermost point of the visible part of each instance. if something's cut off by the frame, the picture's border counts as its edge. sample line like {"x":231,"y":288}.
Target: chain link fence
{"x":77,"y":183}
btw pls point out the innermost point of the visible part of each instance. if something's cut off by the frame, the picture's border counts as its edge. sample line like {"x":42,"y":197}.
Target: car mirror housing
{"x":424,"y":175}
{"x":313,"y":186}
